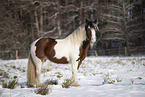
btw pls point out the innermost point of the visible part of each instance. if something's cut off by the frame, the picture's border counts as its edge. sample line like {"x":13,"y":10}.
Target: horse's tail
{"x":31,"y":72}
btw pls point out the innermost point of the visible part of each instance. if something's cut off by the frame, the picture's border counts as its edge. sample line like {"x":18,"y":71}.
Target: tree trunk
{"x":66,"y":3}
{"x":37,"y":23}
{"x":41,"y":20}
{"x":125,"y":29}
{"x":81,"y":5}
{"x":58,"y":19}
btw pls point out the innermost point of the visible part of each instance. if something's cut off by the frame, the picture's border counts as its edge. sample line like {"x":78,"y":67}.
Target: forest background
{"x":121,"y":24}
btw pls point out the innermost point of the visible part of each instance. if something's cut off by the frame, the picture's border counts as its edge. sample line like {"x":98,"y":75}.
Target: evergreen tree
{"x":123,"y":22}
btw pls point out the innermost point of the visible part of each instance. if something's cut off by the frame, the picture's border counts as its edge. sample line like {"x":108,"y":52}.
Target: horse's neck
{"x":78,"y":36}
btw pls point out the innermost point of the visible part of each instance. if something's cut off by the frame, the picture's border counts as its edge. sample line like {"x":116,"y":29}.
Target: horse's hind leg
{"x":38,"y":71}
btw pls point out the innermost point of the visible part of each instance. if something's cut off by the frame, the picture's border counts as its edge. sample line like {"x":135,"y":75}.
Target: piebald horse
{"x":72,"y":49}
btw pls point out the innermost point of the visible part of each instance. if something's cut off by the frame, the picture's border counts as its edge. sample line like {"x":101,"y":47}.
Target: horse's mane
{"x":77,"y":36}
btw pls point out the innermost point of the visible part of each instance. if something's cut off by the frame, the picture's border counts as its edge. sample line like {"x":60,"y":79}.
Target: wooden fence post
{"x":96,"y":53}
{"x":119,"y":50}
{"x":126,"y":51}
{"x":17,"y":54}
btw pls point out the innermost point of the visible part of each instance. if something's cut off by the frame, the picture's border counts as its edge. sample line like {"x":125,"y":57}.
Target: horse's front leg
{"x":74,"y":73}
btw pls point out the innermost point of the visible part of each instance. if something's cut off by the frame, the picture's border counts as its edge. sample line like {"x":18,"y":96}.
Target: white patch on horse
{"x":93,"y":39}
{"x":62,"y":49}
{"x":69,"y":47}
{"x":35,"y":59}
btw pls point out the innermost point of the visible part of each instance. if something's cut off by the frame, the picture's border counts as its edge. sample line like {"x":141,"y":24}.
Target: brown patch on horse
{"x":83,"y":52}
{"x":45,"y":47}
{"x":89,"y":34}
{"x":40,"y":47}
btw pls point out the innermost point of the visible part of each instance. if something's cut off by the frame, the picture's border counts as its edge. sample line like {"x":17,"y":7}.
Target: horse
{"x":72,"y":49}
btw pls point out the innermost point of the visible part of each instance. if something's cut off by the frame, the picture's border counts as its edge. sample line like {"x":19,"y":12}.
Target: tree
{"x":122,"y":21}
{"x":23,"y":21}
{"x":11,"y":36}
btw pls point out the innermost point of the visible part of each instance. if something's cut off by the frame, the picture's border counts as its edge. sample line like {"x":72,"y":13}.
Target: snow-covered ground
{"x":98,"y":77}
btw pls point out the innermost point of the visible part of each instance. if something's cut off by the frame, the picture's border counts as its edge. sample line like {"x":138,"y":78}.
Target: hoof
{"x":30,"y":86}
{"x":74,"y":84}
{"x":38,"y":85}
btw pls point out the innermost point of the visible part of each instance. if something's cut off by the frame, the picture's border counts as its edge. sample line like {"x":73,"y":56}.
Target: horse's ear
{"x":87,"y":21}
{"x":95,"y":21}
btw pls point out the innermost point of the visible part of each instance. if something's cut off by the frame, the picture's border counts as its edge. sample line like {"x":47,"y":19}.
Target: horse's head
{"x":91,"y":28}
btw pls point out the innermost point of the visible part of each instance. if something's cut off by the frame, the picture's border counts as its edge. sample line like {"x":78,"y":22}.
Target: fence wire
{"x":140,"y":50}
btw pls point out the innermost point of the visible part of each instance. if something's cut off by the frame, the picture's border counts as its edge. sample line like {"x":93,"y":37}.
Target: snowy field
{"x":98,"y":77}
